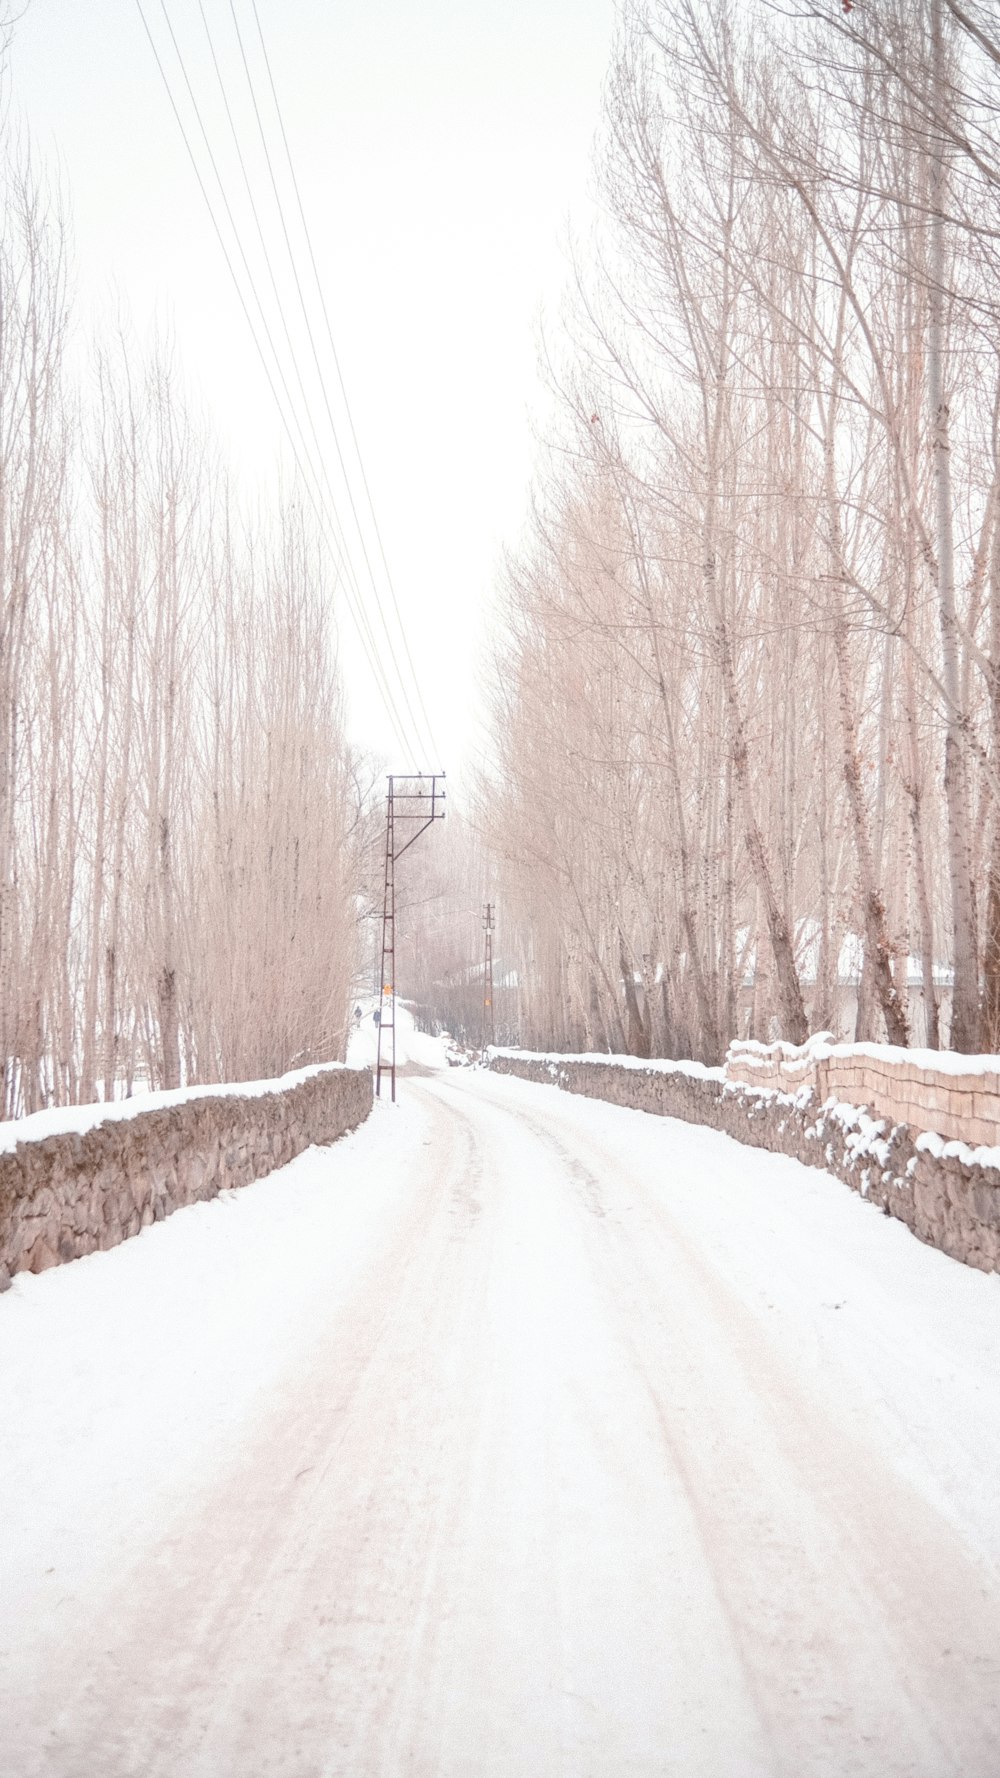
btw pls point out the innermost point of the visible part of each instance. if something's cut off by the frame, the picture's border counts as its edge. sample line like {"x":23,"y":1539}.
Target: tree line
{"x":746,"y":705}
{"x":182,"y":828}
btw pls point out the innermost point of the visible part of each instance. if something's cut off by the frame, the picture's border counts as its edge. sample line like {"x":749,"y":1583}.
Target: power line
{"x":346,"y":563}
{"x":360,"y":620}
{"x":427,"y":731}
{"x":309,"y":332}
{"x":333,"y":352}
{"x":341,"y":552}
{"x":335,"y":538}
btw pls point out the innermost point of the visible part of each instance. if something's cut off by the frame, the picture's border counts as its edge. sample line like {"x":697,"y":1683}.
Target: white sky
{"x":441,"y":147}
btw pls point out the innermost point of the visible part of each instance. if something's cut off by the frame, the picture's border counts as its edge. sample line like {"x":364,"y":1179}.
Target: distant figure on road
{"x":376,"y":1017}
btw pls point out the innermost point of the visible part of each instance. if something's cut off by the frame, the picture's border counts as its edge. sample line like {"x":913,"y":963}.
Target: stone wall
{"x":949,"y":1199}
{"x":74,"y":1191}
{"x":956,"y":1096}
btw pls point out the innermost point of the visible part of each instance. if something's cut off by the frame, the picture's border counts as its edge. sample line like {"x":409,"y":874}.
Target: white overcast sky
{"x":442,"y":147}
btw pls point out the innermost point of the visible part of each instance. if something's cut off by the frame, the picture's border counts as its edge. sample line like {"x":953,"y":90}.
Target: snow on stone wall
{"x":947,"y":1193}
{"x":956,"y":1096}
{"x":84,"y":1178}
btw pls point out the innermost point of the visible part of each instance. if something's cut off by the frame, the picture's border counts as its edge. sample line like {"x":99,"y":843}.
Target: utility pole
{"x":489,"y":1025}
{"x":413,"y":797}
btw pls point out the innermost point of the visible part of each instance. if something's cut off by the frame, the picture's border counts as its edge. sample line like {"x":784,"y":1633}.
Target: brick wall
{"x":956,"y":1096}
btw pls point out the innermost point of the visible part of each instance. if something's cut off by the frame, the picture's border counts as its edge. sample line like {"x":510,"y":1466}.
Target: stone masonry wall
{"x":950,"y":1200}
{"x":74,"y":1192}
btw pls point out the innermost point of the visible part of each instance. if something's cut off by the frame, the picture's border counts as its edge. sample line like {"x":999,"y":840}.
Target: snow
{"x":821,"y":1048}
{"x":758,"y":1054}
{"x":61,"y":1120}
{"x":935,"y":1061}
{"x":515,"y":1433}
{"x":136,"y":1362}
{"x":800,"y":1100}
{"x":931,"y":1143}
{"x":647,"y":1064}
{"x":866,"y":1133}
{"x":413,"y":1047}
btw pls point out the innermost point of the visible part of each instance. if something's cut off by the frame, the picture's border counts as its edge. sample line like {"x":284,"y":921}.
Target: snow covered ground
{"x":514,"y":1436}
{"x":413,"y":1047}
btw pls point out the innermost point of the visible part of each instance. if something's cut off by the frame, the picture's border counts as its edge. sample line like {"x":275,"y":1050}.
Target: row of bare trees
{"x":747,"y":705}
{"x":178,"y":813}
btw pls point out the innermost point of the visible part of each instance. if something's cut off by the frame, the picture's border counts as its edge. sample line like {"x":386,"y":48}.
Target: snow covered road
{"x":517,"y":1435}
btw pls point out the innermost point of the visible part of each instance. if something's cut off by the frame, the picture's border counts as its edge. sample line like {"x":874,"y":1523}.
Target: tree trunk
{"x":964,"y":1032}
{"x":878,"y":950}
{"x":638,"y":1033}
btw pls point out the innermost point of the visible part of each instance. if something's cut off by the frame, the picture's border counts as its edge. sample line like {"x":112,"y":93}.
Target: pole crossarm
{"x":401,"y":798}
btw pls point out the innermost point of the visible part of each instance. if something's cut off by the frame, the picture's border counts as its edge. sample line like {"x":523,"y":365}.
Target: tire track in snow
{"x":543,"y":1495}
{"x":871,"y":1631}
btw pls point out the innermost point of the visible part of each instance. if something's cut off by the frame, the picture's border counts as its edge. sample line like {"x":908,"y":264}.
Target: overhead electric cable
{"x":333,"y":348}
{"x":359,"y":616}
{"x":241,"y":158}
{"x":338,"y":541}
{"x":343,"y":552}
{"x":329,"y":410}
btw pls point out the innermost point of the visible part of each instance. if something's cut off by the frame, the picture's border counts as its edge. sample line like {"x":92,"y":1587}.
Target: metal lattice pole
{"x":387,"y":972}
{"x":413,"y":797}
